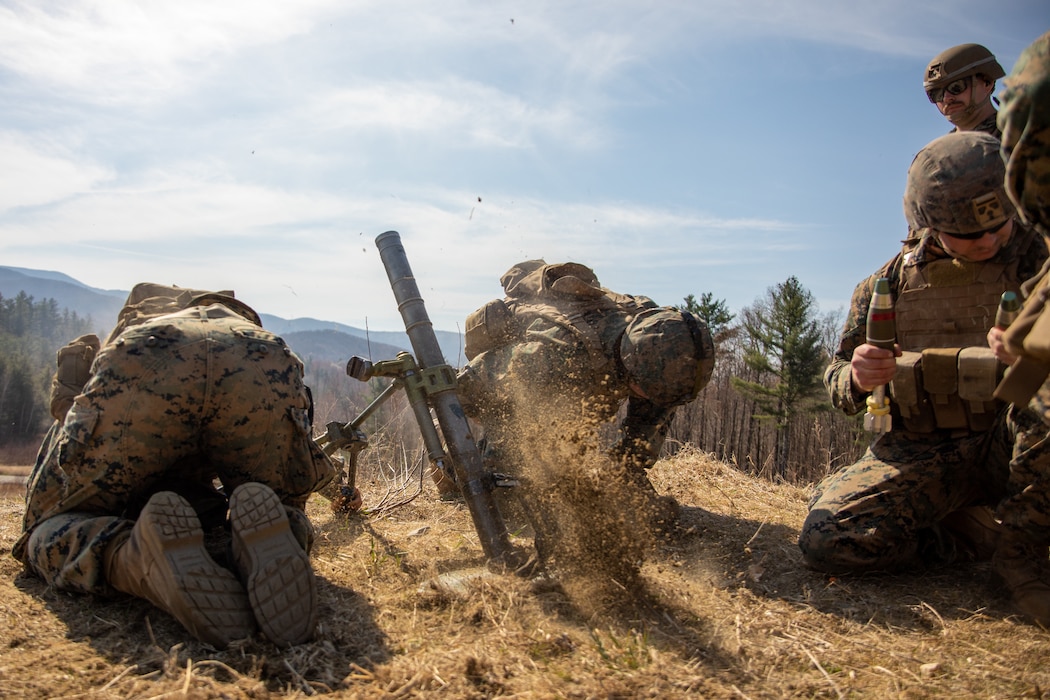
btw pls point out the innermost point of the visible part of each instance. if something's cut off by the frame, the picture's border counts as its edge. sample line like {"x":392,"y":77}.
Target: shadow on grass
{"x":765,"y":559}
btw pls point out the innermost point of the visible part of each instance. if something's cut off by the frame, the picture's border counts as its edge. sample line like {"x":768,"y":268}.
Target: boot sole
{"x":206,"y":598}
{"x":274,"y":567}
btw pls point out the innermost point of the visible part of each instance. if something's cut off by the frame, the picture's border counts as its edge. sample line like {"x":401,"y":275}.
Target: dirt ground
{"x":722,"y":609}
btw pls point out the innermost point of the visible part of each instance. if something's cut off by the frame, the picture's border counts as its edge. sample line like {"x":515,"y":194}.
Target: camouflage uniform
{"x":887,"y":511}
{"x":1025,"y":123}
{"x":173,"y":402}
{"x":584,"y":349}
{"x":550,"y":367}
{"x":988,"y":126}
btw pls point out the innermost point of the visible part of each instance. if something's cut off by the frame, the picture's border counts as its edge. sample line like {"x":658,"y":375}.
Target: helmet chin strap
{"x":965,"y":115}
{"x":972,"y":107}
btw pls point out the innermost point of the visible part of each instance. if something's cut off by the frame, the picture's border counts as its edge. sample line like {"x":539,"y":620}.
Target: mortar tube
{"x":462,"y":448}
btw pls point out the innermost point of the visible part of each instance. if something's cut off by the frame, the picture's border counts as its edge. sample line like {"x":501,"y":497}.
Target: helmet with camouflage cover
{"x":955,"y":185}
{"x":959,"y":62}
{"x":1025,"y":121}
{"x":668,"y":355}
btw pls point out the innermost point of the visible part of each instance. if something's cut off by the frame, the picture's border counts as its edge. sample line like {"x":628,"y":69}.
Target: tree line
{"x":31,"y":332}
{"x":765,"y":409}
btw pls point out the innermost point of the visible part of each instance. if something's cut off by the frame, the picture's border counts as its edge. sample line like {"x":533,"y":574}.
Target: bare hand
{"x":995,"y":342}
{"x":872,"y":366}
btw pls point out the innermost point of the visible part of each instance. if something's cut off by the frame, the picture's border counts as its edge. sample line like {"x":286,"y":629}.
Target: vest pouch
{"x":491,"y":326}
{"x":1037,"y":342}
{"x":979,"y":372}
{"x":148,"y":300}
{"x":909,"y":397}
{"x":940,"y":375}
{"x":533,"y":279}
{"x":1024,"y":377}
{"x":524,"y":279}
{"x":72,"y":373}
{"x":572,"y":281}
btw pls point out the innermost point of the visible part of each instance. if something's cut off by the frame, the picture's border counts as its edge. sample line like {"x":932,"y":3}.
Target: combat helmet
{"x":955,"y":185}
{"x":1025,"y":121}
{"x":959,"y":62}
{"x":668,"y":354}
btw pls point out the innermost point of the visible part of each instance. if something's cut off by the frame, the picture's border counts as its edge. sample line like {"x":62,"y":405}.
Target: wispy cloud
{"x":264,"y":145}
{"x":460,"y":113}
{"x":121,"y":50}
{"x":262,"y":241}
{"x":46,"y":172}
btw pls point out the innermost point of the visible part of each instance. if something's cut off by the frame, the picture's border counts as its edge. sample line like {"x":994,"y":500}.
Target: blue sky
{"x":676,"y":147}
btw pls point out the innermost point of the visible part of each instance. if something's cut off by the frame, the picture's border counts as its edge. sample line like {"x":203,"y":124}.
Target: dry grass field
{"x":722,"y":609}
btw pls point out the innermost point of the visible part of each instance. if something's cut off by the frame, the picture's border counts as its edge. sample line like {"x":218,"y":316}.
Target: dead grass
{"x":725,"y":610}
{"x":19,"y":453}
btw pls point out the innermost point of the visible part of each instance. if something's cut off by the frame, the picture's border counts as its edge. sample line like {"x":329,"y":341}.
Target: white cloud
{"x":37,"y":173}
{"x":456,"y":112}
{"x":124,"y":50}
{"x":171,"y":208}
{"x":267,"y":242}
{"x":129,"y":129}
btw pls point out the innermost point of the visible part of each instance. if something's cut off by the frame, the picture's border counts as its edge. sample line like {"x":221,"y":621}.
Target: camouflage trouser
{"x":882,"y":512}
{"x":178,"y":399}
{"x":1026,"y":509}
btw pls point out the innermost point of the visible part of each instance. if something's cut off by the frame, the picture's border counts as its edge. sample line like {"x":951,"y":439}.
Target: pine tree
{"x":714,"y":312}
{"x":21,"y":404}
{"x":786,"y":357}
{"x":30,"y":334}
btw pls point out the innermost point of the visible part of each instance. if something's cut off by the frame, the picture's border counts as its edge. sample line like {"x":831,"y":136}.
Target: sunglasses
{"x":955,"y":88}
{"x":976,"y":235}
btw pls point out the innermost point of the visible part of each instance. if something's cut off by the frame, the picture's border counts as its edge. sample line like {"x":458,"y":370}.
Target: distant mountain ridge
{"x":309,"y":337}
{"x":99,"y":304}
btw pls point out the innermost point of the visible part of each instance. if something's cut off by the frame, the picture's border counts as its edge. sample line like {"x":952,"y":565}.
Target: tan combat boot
{"x":163,"y":560}
{"x":1025,"y":570}
{"x":274,"y":566}
{"x":975,"y":530}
